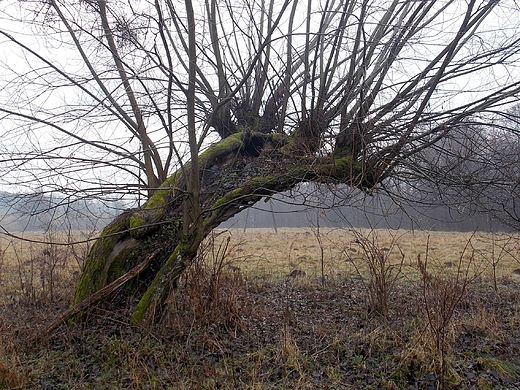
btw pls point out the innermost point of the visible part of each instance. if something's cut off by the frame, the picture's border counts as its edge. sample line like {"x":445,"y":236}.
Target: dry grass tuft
{"x":383,"y":273}
{"x":9,"y":378}
{"x":290,"y":355}
{"x":209,"y":293}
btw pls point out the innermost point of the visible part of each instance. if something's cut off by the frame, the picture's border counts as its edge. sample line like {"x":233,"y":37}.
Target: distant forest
{"x":309,"y":206}
{"x":38,"y":212}
{"x":361,"y":211}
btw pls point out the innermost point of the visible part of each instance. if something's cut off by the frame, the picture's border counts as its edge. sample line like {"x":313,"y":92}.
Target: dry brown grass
{"x":238,"y":320}
{"x":264,"y":253}
{"x":9,"y":378}
{"x":40,"y":265}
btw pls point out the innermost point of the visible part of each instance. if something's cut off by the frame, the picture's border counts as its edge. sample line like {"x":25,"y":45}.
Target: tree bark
{"x":234,"y":174}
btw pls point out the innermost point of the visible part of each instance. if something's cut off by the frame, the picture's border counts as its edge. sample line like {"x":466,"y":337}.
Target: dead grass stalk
{"x":383,"y":273}
{"x":440,"y":296}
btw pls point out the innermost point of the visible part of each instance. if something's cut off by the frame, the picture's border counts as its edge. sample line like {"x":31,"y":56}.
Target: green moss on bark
{"x":221,"y":149}
{"x":163,"y":282}
{"x":259,"y":181}
{"x":158,"y":199}
{"x":136,"y":220}
{"x":104,"y":259}
{"x":229,"y":197}
{"x":343,"y":167}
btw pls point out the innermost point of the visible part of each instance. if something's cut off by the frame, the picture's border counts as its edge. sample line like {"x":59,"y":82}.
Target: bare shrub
{"x":501,"y":247}
{"x":209,"y":292}
{"x":80,"y":243}
{"x":440,"y":296}
{"x":43,"y":272}
{"x":3,"y":251}
{"x":26,"y":274}
{"x":317,"y":234}
{"x":2,"y":255}
{"x":383,"y":273}
{"x":38,"y":268}
{"x":53,"y":269}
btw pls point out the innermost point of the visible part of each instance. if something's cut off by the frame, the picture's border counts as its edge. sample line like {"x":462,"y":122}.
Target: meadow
{"x":286,"y":309}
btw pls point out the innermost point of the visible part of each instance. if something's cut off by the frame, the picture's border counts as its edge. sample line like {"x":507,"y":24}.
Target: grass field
{"x":292,"y":309}
{"x":264,"y":252}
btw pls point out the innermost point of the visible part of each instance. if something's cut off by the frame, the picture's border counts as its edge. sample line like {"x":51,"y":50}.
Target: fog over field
{"x":39,"y":212}
{"x":360,"y":211}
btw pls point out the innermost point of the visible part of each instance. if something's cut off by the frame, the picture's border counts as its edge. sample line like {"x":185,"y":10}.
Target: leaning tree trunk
{"x":234,"y":174}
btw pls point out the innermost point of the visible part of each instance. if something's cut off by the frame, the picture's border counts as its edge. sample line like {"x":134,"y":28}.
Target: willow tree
{"x":204,"y":108}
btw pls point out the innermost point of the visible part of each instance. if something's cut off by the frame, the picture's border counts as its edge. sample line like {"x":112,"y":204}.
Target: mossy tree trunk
{"x":234,"y":174}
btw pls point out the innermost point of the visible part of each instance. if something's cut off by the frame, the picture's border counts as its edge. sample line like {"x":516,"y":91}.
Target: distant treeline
{"x":378,"y":211}
{"x":306,"y":207}
{"x":38,"y":212}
